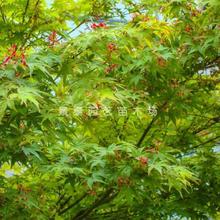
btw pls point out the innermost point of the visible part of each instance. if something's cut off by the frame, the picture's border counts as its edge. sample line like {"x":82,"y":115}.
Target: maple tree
{"x":105,"y":118}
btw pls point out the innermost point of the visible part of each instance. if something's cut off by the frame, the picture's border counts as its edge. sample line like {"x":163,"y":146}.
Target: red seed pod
{"x":113,"y":66}
{"x":102,"y":24}
{"x":108,"y":70}
{"x":23,"y":59}
{"x":13,"y":53}
{"x":195,"y":13}
{"x":120,"y":181}
{"x":188,"y":29}
{"x":161,"y":61}
{"x":94,"y":26}
{"x":92,"y":192}
{"x":118,"y":155}
{"x":111,"y":47}
{"x":6,"y":60}
{"x":12,"y":50}
{"x":14,"y":46}
{"x":17,"y":74}
{"x":143,"y":160}
{"x":53,"y":38}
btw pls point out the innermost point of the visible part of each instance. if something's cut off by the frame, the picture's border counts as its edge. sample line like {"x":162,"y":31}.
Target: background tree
{"x":120,"y":121}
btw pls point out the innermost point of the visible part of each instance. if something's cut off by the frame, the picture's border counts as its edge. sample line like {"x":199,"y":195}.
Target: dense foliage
{"x":109,"y":109}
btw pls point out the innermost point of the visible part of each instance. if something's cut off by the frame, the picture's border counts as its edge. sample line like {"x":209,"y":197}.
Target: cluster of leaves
{"x":66,"y":152}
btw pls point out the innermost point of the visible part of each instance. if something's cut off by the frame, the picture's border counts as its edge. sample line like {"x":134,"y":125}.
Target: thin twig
{"x":64,"y":203}
{"x":25,"y":10}
{"x":32,"y":28}
{"x":206,"y":142}
{"x":60,"y":199}
{"x":147,"y":129}
{"x":104,"y":198}
{"x":73,"y":204}
{"x":61,"y":37}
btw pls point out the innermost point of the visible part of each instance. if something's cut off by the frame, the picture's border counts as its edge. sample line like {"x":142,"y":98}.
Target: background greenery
{"x":66,"y":149}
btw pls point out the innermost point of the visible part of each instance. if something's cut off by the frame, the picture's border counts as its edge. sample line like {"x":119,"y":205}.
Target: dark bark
{"x":106,"y":197}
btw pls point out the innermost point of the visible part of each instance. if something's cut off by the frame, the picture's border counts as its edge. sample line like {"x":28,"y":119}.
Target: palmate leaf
{"x":31,"y":151}
{"x":97,"y":177}
{"x":158,"y":166}
{"x":27,"y":94}
{"x":107,"y":94}
{"x":61,"y":169}
{"x":135,"y":79}
{"x":180,"y":178}
{"x":41,"y":64}
{"x":98,"y":163}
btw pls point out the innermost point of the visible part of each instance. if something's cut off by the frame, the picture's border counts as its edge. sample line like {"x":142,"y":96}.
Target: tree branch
{"x":25,"y":10}
{"x":33,"y":26}
{"x":64,"y":203}
{"x":206,"y":142}
{"x":147,"y":129}
{"x":192,"y":149}
{"x":60,"y":199}
{"x":82,"y":22}
{"x":107,"y":196}
{"x":73,"y":204}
